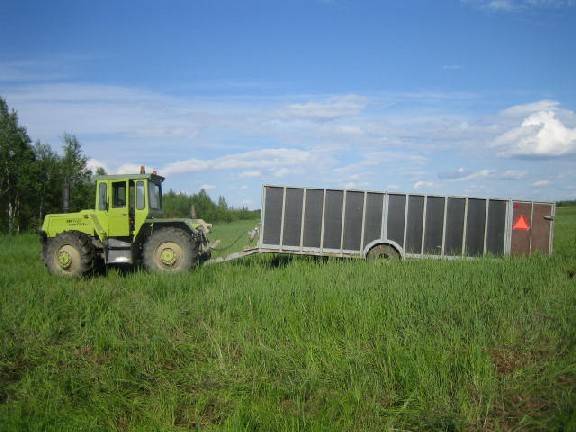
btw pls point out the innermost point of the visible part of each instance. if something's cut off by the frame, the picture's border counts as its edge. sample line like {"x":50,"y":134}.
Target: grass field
{"x":272,"y":343}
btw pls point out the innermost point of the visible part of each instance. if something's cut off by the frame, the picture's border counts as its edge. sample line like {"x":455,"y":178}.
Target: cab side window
{"x":119,"y":194}
{"x":140,"y":195}
{"x":102,"y":196}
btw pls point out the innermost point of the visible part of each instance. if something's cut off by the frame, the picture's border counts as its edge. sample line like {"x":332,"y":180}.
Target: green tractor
{"x":125,"y":227}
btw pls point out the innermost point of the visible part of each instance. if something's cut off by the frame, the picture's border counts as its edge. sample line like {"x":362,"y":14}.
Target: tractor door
{"x":118,"y":217}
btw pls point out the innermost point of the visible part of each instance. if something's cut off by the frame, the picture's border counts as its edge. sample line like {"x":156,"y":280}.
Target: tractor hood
{"x":84,"y":221}
{"x":193,"y":224}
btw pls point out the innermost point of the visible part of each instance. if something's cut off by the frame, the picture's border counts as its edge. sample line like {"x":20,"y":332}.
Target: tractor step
{"x":118,"y":252}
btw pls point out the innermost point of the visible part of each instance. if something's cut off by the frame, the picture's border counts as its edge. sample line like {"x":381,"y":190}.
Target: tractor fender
{"x":376,"y":242}
{"x":151,"y":225}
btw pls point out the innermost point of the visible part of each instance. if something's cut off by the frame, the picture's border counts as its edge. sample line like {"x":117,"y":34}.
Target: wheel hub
{"x":64,"y":259}
{"x":167,"y":256}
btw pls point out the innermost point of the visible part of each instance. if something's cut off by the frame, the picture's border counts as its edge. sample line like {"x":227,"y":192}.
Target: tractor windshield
{"x":155,"y":196}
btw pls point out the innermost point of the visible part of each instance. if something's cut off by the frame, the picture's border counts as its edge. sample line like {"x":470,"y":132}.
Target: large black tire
{"x":170,"y":249}
{"x":383,"y":252}
{"x":69,"y":254}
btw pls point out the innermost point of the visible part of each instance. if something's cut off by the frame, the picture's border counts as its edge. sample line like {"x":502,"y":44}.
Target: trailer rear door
{"x":531,"y":225}
{"x":541,"y":225}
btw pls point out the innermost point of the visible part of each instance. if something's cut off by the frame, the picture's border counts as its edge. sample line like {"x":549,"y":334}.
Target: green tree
{"x":75,"y":175}
{"x":17,"y":160}
{"x":180,"y":205}
{"x":49,"y":181}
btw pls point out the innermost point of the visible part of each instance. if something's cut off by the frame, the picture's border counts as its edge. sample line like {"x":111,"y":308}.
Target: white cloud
{"x":356,"y":185}
{"x":513,"y":175}
{"x":328,"y":109}
{"x":541,"y":183}
{"x":27,"y":70}
{"x":500,"y":5}
{"x":452,"y":67}
{"x":93,"y":165}
{"x":253,"y":173}
{"x":102,"y":110}
{"x":519,"y":5}
{"x":529,"y":108}
{"x":274,"y":158}
{"x":423,"y":184}
{"x":463,"y":174}
{"x":207,"y":187}
{"x":542,"y":133}
{"x":130,"y":168}
{"x":281,"y":172}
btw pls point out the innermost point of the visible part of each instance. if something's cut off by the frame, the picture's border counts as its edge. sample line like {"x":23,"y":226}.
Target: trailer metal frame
{"x":365,"y":247}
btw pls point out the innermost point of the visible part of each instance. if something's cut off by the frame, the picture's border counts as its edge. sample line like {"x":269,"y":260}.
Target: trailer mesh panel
{"x":292,"y":217}
{"x":333,"y":219}
{"x":396,"y":221}
{"x":273,"y":215}
{"x":313,"y":218}
{"x":434,"y":225}
{"x":475,"y":227}
{"x":454,"y":226}
{"x":496,"y":227}
{"x":415,"y":222}
{"x":373,"y":218}
{"x":353,"y":220}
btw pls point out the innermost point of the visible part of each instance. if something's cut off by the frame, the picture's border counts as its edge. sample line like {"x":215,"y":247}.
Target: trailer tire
{"x":169,"y":249}
{"x":383,"y":252}
{"x":69,"y":254}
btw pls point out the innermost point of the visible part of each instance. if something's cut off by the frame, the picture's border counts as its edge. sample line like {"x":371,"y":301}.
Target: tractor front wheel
{"x":169,"y":250}
{"x":69,"y":254}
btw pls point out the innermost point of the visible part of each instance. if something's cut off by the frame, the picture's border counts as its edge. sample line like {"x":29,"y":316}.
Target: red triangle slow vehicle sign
{"x":521,"y":224}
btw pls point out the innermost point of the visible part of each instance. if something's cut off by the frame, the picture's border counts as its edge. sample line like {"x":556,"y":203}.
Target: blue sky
{"x":473,"y":97}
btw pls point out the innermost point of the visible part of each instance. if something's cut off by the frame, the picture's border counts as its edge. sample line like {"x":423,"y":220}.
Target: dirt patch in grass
{"x":87,"y":353}
{"x":213,"y":413}
{"x":11,"y":374}
{"x":507,"y":360}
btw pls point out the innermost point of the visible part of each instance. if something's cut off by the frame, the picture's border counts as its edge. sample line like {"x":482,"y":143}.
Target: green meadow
{"x":279,"y":343}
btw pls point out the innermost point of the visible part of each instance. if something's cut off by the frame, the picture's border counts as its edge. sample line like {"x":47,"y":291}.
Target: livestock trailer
{"x":361,"y":223}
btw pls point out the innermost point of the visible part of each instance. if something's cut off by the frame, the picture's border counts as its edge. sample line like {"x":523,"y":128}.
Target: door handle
{"x":550,"y":218}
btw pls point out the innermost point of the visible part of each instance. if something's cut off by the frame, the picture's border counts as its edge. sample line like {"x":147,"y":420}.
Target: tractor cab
{"x":125,"y":202}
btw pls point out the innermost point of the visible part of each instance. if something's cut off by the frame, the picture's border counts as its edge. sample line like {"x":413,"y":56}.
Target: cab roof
{"x":153,"y":177}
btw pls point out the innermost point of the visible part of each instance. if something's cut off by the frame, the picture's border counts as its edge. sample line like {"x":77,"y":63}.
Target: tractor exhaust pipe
{"x":66,"y":197}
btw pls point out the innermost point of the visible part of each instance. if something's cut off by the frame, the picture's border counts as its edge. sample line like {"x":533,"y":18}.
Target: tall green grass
{"x":274,"y":343}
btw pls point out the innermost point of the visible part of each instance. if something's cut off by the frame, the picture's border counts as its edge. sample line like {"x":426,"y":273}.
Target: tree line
{"x":201,"y":205}
{"x":33,"y":178}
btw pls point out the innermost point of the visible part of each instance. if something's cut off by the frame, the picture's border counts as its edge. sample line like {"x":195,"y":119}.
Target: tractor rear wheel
{"x":169,"y":250}
{"x":383,"y":252}
{"x":69,"y":254}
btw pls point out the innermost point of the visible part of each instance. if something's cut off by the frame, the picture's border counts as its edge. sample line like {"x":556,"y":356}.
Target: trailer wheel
{"x":169,"y":250}
{"x":69,"y":254}
{"x":383,"y":252}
